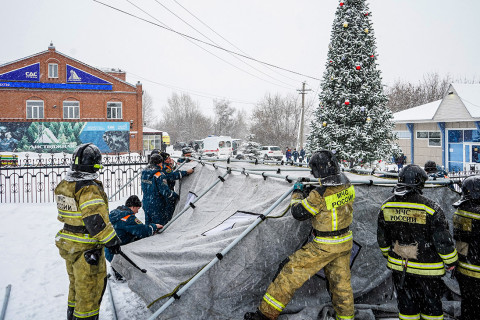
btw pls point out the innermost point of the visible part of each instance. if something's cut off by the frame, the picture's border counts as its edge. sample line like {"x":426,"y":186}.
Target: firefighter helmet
{"x":430,"y":166}
{"x":471,"y":188}
{"x":412,"y":176}
{"x":87,"y":158}
{"x":324,"y":164}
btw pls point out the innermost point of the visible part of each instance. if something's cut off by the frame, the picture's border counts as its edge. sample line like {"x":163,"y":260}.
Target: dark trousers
{"x":469,"y":288}
{"x":419,"y":295}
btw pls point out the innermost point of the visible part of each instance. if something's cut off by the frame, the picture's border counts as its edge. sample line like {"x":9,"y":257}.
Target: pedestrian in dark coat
{"x":301,"y":155}
{"x":288,"y":154}
{"x":295,"y":155}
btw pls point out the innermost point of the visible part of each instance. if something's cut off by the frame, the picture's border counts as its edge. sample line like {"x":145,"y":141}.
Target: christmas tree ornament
{"x":369,"y":119}
{"x":341,"y":4}
{"x":324,"y":123}
{"x":358,"y":67}
{"x":365,"y":14}
{"x":345,"y":24}
{"x":372,"y":56}
{"x":331,"y":61}
{"x":362,"y":108}
{"x":347,"y":102}
{"x":366,"y":30}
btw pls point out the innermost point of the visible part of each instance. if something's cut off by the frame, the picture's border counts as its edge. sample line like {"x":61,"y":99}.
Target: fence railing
{"x":35,"y":178}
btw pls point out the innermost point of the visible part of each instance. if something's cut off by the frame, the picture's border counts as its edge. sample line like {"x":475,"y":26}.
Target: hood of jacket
{"x":150,"y":171}
{"x":118,"y":213}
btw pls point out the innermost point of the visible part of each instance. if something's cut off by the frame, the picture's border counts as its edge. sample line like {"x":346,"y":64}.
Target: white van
{"x":217,"y":146}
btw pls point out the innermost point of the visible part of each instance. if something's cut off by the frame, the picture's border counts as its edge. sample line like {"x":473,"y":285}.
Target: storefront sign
{"x":28,"y":73}
{"x":55,"y":137}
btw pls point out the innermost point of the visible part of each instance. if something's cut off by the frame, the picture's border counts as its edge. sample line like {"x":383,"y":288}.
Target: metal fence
{"x":35,"y":178}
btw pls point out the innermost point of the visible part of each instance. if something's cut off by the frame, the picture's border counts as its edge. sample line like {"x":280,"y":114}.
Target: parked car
{"x":271,"y":152}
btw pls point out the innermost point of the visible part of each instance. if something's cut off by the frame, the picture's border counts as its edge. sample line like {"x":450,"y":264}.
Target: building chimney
{"x":51,"y":47}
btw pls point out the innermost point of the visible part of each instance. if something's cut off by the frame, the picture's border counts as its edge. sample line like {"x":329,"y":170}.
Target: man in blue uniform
{"x":128,"y":227}
{"x":158,"y":199}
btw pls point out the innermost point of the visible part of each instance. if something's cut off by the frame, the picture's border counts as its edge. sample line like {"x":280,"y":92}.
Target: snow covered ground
{"x":32,"y":265}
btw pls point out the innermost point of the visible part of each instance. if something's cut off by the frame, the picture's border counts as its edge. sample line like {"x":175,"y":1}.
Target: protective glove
{"x":115,"y":249}
{"x":298,"y":186}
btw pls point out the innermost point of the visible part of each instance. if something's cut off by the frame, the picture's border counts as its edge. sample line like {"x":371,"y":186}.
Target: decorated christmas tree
{"x":352,"y":119}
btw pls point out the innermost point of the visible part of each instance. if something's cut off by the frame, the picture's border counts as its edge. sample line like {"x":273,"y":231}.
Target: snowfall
{"x":33,"y":267}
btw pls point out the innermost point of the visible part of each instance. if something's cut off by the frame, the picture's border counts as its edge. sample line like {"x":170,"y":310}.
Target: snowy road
{"x":32,"y":265}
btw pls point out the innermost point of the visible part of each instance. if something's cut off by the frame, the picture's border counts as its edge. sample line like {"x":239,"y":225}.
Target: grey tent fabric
{"x":236,"y":283}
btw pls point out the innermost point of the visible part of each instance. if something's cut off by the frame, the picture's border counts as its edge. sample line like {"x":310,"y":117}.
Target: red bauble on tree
{"x":347,"y":102}
{"x":341,"y":4}
{"x":358,"y":67}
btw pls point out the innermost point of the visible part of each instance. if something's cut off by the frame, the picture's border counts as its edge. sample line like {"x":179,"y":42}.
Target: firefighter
{"x":158,"y":200}
{"x":330,"y":206}
{"x":466,"y":232}
{"x":413,"y":235}
{"x":83,"y":208}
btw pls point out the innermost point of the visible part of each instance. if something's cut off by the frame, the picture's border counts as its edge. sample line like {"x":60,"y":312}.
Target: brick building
{"x":50,"y":102}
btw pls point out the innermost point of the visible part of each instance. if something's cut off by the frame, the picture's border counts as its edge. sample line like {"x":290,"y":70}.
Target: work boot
{"x":70,"y":313}
{"x":255,"y":316}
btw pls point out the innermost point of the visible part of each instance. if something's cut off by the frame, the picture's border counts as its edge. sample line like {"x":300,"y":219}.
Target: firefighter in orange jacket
{"x":83,"y":208}
{"x":330,"y":207}
{"x":413,"y":235}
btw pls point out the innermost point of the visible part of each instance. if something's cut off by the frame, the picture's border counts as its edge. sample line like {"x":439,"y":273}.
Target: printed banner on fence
{"x":54,"y":137}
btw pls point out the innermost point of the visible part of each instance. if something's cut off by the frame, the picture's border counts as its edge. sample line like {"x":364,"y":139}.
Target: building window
{"x":151,"y":142}
{"x":114,"y":110}
{"x":71,"y":110}
{"x":402,"y":134}
{"x":34,"y":109}
{"x":434,"y":137}
{"x":53,"y":70}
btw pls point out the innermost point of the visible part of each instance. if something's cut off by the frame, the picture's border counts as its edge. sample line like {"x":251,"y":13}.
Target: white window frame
{"x":36,"y":111}
{"x":428,"y":138}
{"x":53,"y":70}
{"x":403,"y":134}
{"x":72,"y":109}
{"x":115,"y":112}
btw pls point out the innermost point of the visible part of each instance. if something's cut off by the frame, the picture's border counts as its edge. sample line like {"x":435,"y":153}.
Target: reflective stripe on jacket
{"x":330,"y":207}
{"x":466,"y":232}
{"x":84,"y":203}
{"x":414,"y":228}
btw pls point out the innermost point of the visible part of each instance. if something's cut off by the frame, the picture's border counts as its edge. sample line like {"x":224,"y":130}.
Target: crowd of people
{"x":412,"y":234}
{"x":298,"y":156}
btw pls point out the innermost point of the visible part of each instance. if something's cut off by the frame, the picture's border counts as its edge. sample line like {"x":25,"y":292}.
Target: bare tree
{"x":228,"y":120}
{"x":149,"y":117}
{"x":404,"y":95}
{"x":183,"y":120}
{"x":275,"y":120}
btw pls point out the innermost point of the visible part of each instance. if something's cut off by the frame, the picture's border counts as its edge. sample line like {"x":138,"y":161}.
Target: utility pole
{"x":303,"y":92}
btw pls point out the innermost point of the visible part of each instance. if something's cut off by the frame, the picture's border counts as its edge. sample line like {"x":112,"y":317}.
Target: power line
{"x":196,"y":44}
{"x":206,"y":25}
{"x":207,"y":43}
{"x":188,"y":24}
{"x":193,"y":92}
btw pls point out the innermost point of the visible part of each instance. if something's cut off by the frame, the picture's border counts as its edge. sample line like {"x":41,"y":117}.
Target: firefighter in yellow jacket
{"x":83,"y":208}
{"x":413,"y":235}
{"x":330,"y":206}
{"x":466,"y":232}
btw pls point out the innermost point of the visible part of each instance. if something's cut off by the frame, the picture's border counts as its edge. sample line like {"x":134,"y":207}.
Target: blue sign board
{"x":75,"y":75}
{"x":28,"y":73}
{"x":41,"y":85}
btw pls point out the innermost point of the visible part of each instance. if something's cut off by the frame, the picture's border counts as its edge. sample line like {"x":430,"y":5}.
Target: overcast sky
{"x":413,"y":38}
